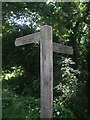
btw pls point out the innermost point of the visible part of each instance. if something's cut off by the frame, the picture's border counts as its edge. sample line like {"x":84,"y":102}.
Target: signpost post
{"x":45,"y":36}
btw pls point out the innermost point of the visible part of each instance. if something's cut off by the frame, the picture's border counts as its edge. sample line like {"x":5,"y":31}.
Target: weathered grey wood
{"x":60,"y":48}
{"x":28,"y":39}
{"x":46,"y":62}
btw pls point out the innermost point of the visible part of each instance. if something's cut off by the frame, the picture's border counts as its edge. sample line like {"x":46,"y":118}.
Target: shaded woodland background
{"x":21,"y":65}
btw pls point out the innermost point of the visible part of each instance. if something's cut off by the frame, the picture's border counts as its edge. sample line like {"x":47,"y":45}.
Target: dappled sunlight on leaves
{"x":15,"y":72}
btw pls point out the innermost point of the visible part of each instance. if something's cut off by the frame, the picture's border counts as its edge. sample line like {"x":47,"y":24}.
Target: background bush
{"x":21,"y":65}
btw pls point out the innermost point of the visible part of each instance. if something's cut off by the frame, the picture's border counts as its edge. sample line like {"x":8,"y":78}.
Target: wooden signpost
{"x":45,"y":36}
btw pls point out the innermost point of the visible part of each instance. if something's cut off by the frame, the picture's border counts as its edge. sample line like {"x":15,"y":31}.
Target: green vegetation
{"x":21,"y":68}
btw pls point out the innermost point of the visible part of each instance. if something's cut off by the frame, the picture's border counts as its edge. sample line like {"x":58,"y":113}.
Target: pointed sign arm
{"x":28,"y":39}
{"x":64,"y":49}
{"x":32,"y":38}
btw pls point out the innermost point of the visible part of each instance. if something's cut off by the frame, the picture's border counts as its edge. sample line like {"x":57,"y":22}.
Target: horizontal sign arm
{"x":60,"y":48}
{"x":28,"y":39}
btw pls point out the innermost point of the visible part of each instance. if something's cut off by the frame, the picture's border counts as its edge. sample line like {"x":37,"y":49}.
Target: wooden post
{"x":46,"y":65}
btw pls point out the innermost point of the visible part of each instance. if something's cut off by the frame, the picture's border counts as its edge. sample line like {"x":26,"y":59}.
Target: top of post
{"x":46,"y":26}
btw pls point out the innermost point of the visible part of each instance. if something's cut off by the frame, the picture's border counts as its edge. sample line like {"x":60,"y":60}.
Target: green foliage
{"x":78,"y":103}
{"x":18,"y":106}
{"x":36,"y":86}
{"x":21,"y":85}
{"x":61,"y":112}
{"x":69,"y":82}
{"x":21,"y":76}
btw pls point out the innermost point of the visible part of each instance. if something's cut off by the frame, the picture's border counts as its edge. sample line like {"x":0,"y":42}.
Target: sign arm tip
{"x":15,"y":42}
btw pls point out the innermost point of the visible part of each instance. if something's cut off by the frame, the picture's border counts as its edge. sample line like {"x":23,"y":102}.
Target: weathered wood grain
{"x":60,"y":48}
{"x":46,"y":65}
{"x":27,"y":39}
